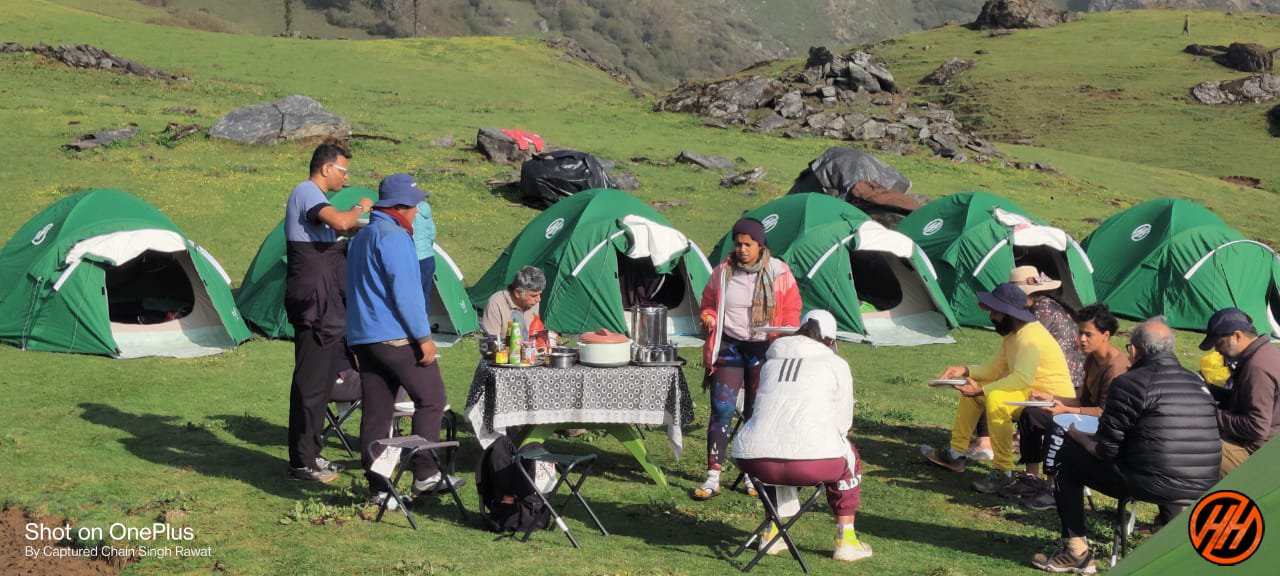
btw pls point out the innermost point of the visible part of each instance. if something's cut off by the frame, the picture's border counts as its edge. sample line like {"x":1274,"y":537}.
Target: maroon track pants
{"x":844,"y":490}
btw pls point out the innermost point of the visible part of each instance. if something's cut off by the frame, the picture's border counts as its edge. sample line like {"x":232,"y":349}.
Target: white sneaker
{"x":432,"y":483}
{"x":985,"y":454}
{"x":778,"y":547}
{"x":381,"y":497}
{"x":851,"y":552}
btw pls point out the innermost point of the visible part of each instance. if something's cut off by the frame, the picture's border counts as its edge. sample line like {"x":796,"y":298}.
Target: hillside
{"x":201,"y":442}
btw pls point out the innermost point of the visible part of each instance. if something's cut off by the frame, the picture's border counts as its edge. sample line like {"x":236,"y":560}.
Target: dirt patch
{"x":53,"y":557}
{"x":1247,"y":181}
{"x":1092,"y":91}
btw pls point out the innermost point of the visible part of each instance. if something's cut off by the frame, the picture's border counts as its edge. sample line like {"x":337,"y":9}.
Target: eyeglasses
{"x":340,"y":168}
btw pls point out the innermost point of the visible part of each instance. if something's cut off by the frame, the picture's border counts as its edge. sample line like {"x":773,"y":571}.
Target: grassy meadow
{"x":101,"y":441}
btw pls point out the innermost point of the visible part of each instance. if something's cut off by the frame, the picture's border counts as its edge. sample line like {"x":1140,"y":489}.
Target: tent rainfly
{"x":1175,"y":258}
{"x":261,"y":295}
{"x":878,"y":284}
{"x":103,"y":272}
{"x":604,"y":251}
{"x":975,"y":238}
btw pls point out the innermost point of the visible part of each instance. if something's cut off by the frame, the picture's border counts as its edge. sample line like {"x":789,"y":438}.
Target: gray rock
{"x":861,"y":79}
{"x":709,"y":162}
{"x":664,"y":204}
{"x":871,"y":130}
{"x":542,"y":25}
{"x":185,"y":110}
{"x":830,"y":101}
{"x":771,"y":122}
{"x":1021,"y":14}
{"x":749,"y":177}
{"x":897,"y":131}
{"x":949,"y":70}
{"x":625,"y":180}
{"x":100,"y":138}
{"x":944,"y":116}
{"x":914,"y":122}
{"x":882,"y":100}
{"x":945,"y":146}
{"x":818,"y":121}
{"x":294,"y":118}
{"x":1256,"y":89}
{"x":500,"y":148}
{"x":445,"y":141}
{"x":1248,"y":57}
{"x":791,"y":105}
{"x":829,"y":91}
{"x":881,"y":74}
{"x":752,"y":93}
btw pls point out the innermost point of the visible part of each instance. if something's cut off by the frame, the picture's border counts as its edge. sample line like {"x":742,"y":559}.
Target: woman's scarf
{"x":763,"y":299}
{"x":398,"y":217}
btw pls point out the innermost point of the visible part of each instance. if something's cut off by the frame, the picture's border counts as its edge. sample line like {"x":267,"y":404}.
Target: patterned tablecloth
{"x":504,"y":397}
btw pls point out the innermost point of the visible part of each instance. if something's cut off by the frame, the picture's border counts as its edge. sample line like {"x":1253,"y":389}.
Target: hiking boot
{"x":433,"y":484}
{"x":943,"y":457}
{"x":1023,"y":486}
{"x":1063,"y":561}
{"x":321,"y":475}
{"x":994,"y":481}
{"x":1042,"y":500}
{"x":778,"y":547}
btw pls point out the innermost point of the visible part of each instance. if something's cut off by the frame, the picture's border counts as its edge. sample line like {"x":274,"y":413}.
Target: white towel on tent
{"x":655,"y":241}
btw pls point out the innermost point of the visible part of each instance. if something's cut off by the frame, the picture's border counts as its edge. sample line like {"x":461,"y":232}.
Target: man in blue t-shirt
{"x":314,"y":303}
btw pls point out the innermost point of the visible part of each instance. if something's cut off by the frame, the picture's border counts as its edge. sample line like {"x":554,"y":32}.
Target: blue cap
{"x":399,"y":190}
{"x":1224,"y":323}
{"x":1009,"y":299}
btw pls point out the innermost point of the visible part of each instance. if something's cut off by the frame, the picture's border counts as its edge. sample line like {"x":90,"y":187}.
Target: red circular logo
{"x":1226,"y":527}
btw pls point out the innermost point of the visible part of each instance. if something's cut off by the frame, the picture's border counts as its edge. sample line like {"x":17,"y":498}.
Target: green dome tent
{"x":261,"y":295}
{"x":604,"y":251}
{"x":103,"y":272}
{"x":1175,"y":258}
{"x":878,"y":284}
{"x":975,"y":238}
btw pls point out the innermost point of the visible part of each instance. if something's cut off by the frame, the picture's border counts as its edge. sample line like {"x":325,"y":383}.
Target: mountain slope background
{"x":658,"y":41}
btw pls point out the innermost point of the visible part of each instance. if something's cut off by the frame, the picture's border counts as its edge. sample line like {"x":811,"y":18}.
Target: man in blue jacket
{"x":388,"y":330}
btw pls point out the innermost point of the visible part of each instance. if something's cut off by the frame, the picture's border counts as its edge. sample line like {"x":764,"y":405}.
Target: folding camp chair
{"x":771,"y":515}
{"x":1124,"y":520}
{"x":344,"y":401}
{"x":410,"y":446}
{"x":564,"y":464}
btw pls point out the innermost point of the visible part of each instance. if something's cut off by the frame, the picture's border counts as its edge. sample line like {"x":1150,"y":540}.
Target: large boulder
{"x":1021,"y":14}
{"x":294,"y":118}
{"x":1256,"y":89}
{"x":502,"y":149}
{"x":1247,"y":57}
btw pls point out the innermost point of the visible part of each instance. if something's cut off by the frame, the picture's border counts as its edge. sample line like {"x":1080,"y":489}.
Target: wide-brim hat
{"x":399,"y":190}
{"x":1031,"y":280}
{"x":1008,"y":299}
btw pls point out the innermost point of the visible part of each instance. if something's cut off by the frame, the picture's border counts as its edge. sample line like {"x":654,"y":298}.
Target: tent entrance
{"x":641,"y":285}
{"x":1052,"y":262}
{"x":157,"y":303}
{"x":895,"y":305}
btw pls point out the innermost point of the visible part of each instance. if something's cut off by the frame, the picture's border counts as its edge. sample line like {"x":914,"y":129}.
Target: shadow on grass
{"x":255,"y":430}
{"x":168,"y":441}
{"x":986,"y":543}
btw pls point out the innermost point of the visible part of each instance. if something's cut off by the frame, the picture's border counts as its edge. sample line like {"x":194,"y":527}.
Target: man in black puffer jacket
{"x":1157,"y":441}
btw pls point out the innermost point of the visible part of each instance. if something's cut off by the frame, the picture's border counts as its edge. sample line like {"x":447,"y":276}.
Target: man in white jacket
{"x":798,"y":435}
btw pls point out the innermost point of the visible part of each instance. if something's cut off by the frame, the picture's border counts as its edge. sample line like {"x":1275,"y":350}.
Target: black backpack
{"x":507,"y":502}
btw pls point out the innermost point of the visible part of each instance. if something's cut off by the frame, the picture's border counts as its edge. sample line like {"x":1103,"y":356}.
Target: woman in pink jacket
{"x":748,"y":290}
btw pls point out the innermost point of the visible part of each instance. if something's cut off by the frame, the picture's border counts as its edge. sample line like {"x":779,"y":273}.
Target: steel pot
{"x":649,"y":326}
{"x":562,"y":358}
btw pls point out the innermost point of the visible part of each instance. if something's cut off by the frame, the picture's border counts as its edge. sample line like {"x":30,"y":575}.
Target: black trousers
{"x":1078,"y":468}
{"x":384,"y":369}
{"x":1034,"y":426}
{"x":316,"y":363}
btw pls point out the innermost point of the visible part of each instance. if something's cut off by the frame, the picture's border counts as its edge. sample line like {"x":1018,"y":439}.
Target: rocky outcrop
{"x":1242,"y":56}
{"x":944,"y":74}
{"x":843,"y":97}
{"x":294,"y":118}
{"x":1254,"y":89}
{"x":91,"y":57}
{"x":1021,"y":14}
{"x":100,"y":138}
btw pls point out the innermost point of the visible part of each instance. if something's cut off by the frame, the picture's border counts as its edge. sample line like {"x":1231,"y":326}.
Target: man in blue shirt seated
{"x":388,"y":330}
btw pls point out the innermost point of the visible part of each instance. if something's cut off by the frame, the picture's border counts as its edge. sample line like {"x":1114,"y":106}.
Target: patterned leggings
{"x":738,"y":370}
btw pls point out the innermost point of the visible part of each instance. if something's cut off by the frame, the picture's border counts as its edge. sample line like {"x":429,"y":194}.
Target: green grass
{"x":104,"y":441}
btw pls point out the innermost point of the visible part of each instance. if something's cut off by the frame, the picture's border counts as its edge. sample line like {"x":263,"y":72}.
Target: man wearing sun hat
{"x":1249,"y":405}
{"x":388,"y":328}
{"x":1029,"y":359}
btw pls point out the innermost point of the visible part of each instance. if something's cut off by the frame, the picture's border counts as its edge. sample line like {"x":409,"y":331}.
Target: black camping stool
{"x":347,"y":391}
{"x":410,"y":446}
{"x":1122,"y":523}
{"x":771,"y":515}
{"x":564,"y":464}
{"x":448,"y":423}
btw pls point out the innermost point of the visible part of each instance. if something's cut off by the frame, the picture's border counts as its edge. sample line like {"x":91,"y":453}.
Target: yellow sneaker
{"x":777,"y":547}
{"x":849,"y":549}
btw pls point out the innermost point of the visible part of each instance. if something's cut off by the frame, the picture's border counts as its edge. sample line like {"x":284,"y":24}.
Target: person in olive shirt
{"x":1249,"y":405}
{"x":313,"y":301}
{"x":518,"y":302}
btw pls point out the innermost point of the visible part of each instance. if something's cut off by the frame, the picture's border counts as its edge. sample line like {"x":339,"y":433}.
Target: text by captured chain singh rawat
{"x":159,"y":540}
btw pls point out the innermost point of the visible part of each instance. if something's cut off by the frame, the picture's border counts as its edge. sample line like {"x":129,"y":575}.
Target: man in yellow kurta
{"x":1029,"y":359}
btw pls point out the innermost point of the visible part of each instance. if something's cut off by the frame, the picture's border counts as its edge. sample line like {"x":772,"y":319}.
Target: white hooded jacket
{"x":804,"y":408}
